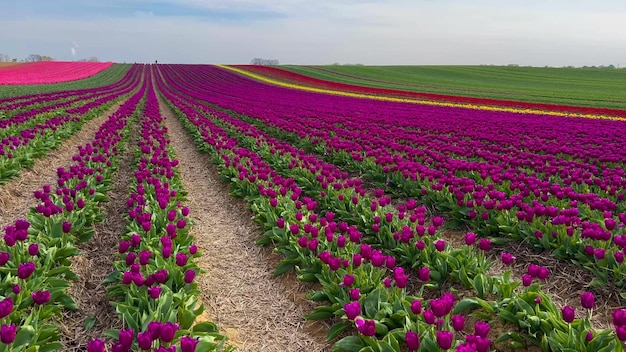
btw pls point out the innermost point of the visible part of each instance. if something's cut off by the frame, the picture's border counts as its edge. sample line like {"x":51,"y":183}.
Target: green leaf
{"x":89,"y":323}
{"x":283,"y":267}
{"x":53,"y":346}
{"x":24,"y":335}
{"x":321,"y":313}
{"x":465,"y":304}
{"x":337,"y":329}
{"x":349,"y":344}
{"x":206,"y":326}
{"x":67,"y":302}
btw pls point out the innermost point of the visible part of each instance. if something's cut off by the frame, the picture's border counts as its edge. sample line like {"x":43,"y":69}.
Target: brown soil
{"x":257,"y":311}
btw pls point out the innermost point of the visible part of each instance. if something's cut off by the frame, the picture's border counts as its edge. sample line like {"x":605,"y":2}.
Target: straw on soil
{"x":241,"y":295}
{"x":94,"y":264}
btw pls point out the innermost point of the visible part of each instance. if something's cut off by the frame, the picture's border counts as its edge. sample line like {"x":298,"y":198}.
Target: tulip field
{"x":413,"y":224}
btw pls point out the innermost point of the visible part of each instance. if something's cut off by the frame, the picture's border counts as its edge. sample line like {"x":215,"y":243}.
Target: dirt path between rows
{"x":16,"y":196}
{"x":249,"y":305}
{"x":94,"y":263}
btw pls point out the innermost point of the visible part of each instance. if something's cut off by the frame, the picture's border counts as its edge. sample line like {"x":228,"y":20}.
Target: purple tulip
{"x":168,"y":330}
{"x":507,"y":258}
{"x":126,"y":338}
{"x":189,"y":276}
{"x":445,"y":339}
{"x":7,"y":333}
{"x":348,"y":280}
{"x":355,"y":294}
{"x":188,"y":344}
{"x":458,"y":322}
{"x":352,"y":310}
{"x":6,"y":307}
{"x":568,"y":314}
{"x":4,"y":258}
{"x":33,"y":249}
{"x":96,"y":345}
{"x":67,"y":227}
{"x":440,"y":245}
{"x":424,"y":274}
{"x":484,"y":244}
{"x":470,"y":238}
{"x":40,"y":297}
{"x":181,"y":259}
{"x":25,"y":270}
{"x":481,"y":329}
{"x":154,"y":292}
{"x":193,"y":249}
{"x":366,"y":327}
{"x":144,"y":339}
{"x":412,"y":340}
{"x":587,"y":300}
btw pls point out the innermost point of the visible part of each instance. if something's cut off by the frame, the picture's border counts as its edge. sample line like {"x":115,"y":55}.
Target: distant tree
{"x":4,"y":58}
{"x":264,"y":62}
{"x":37,"y":58}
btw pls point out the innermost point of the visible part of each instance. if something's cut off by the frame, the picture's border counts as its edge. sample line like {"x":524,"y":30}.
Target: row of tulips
{"x":36,"y":253}
{"x":50,"y":72}
{"x":16,"y":94}
{"x":19,"y":150}
{"x":153,"y":287}
{"x":31,"y":106}
{"x":284,"y":75}
{"x":336,"y":260}
{"x":575,"y":224}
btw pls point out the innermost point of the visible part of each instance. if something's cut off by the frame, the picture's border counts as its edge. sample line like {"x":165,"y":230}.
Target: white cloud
{"x":538,"y":33}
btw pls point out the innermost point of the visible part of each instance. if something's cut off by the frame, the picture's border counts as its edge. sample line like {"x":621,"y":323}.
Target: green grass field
{"x":106,"y":77}
{"x":568,"y":86}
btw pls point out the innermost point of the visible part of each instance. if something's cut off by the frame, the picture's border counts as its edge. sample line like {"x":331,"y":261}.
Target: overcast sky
{"x":383,"y":32}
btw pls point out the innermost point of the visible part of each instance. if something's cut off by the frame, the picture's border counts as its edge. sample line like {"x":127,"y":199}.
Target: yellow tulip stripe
{"x":413,"y":101}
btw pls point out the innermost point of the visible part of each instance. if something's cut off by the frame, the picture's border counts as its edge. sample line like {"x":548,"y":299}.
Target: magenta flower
{"x":96,"y":345}
{"x":181,"y":259}
{"x":193,"y":249}
{"x":348,"y":280}
{"x":352,"y":310}
{"x":7,"y":333}
{"x":123,"y":247}
{"x":126,"y":338}
{"x":366,"y":327}
{"x":412,"y":340}
{"x":188,"y":344}
{"x":6,"y":307}
{"x":429,"y":317}
{"x":484,"y":244}
{"x":4,"y":258}
{"x":144,"y":257}
{"x":189,"y":276}
{"x":67,"y":227}
{"x":16,"y":289}
{"x":154,"y":292}
{"x":355,"y":294}
{"x":568,"y":314}
{"x":40,"y":297}
{"x":481,"y":329}
{"x":587,"y":300}
{"x":168,"y":330}
{"x":458,"y":322}
{"x":33,"y":249}
{"x":470,"y":238}
{"x":440,"y":245}
{"x":507,"y":258}
{"x":423,"y":274}
{"x":416,"y":306}
{"x":144,"y":339}
{"x":527,"y":279}
{"x":445,"y":339}
{"x":25,"y":270}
